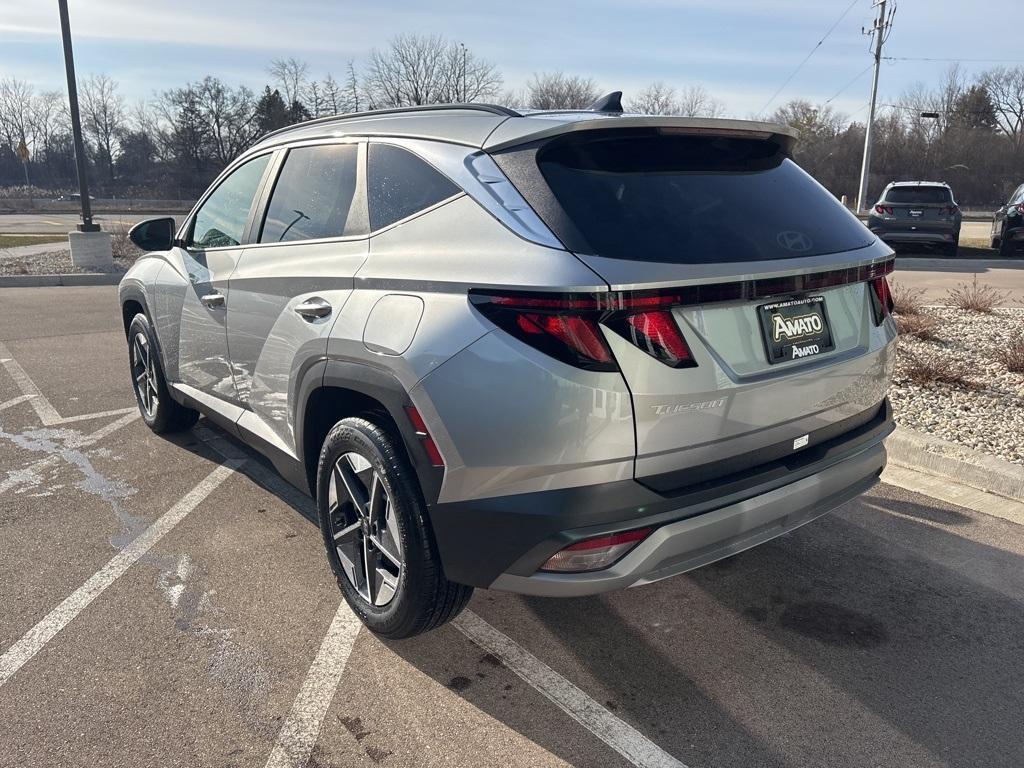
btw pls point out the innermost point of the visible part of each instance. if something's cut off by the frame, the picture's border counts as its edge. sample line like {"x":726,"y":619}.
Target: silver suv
{"x":918,"y":213}
{"x":550,"y":353}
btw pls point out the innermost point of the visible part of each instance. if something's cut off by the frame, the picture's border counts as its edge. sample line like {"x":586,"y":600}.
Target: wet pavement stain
{"x":833,"y":624}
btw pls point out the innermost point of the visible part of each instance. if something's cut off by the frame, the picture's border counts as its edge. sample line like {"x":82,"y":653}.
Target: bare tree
{"x":228,"y":115}
{"x":695,"y":101}
{"x":352,"y":86}
{"x":555,"y":90}
{"x":655,"y":99}
{"x":417,"y":69}
{"x":1005,"y":87}
{"x":102,"y":118}
{"x":291,"y":75}
{"x":16,"y":103}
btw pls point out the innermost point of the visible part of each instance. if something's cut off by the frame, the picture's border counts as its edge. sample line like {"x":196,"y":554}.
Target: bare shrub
{"x":1013,"y":356}
{"x":923,"y":372}
{"x":906,"y":300}
{"x":976,"y":298}
{"x":121,"y":245}
{"x":919,"y":326}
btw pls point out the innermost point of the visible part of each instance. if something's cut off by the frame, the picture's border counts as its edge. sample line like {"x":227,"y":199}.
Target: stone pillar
{"x":90,"y":249}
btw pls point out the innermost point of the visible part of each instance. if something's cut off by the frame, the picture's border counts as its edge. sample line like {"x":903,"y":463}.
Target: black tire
{"x":421,"y":598}
{"x":953,"y":250}
{"x":161,"y":413}
{"x":1007,"y":247}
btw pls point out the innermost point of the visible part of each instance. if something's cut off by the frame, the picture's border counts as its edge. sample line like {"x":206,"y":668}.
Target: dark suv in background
{"x":917,"y":213}
{"x":1008,"y":224}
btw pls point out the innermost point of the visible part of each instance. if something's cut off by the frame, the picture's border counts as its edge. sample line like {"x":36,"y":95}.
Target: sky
{"x":741,"y":51}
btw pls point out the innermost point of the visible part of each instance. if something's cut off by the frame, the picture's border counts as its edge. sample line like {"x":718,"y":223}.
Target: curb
{"x":955,"y":463}
{"x":49,"y":281}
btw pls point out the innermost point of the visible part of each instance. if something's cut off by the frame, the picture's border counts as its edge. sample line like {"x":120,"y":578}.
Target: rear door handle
{"x":213,"y":300}
{"x":313,"y":308}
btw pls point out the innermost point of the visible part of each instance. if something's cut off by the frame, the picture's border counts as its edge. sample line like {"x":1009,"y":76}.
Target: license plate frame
{"x":802,"y":331}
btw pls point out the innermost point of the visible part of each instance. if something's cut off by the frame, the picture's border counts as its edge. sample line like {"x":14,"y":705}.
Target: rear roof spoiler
{"x":531,"y":128}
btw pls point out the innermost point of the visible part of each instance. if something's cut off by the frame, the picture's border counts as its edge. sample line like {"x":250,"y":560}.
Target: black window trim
{"x":358,"y":198}
{"x":184,"y":233}
{"x":459,"y":193}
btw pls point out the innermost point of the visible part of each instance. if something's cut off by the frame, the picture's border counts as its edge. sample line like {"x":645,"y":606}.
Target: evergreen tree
{"x":271,"y":111}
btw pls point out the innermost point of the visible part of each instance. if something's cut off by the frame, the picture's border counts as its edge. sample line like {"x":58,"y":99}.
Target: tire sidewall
{"x":161,"y":416}
{"x":356,"y":435}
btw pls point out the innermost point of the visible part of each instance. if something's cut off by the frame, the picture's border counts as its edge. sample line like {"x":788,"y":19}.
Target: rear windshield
{"x":690,"y":200}
{"x":919,"y":195}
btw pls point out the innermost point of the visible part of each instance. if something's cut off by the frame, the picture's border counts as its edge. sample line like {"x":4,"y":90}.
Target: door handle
{"x":213,"y":300}
{"x":313,"y":308}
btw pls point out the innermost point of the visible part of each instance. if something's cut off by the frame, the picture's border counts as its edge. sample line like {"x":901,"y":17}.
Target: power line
{"x":957,"y":61}
{"x":854,"y":80}
{"x":808,"y":56}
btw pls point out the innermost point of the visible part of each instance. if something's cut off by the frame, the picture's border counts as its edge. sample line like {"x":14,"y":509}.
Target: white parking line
{"x":620,"y":736}
{"x":301,"y":729}
{"x":14,"y":401}
{"x":36,"y":638}
{"x":44,"y":410}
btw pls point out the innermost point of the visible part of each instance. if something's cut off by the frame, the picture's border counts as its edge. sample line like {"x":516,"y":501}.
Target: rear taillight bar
{"x":565,"y":325}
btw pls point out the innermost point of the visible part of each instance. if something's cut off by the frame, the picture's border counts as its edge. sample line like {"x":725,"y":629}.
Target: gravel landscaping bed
{"x":981,"y":406}
{"x":57,"y":262}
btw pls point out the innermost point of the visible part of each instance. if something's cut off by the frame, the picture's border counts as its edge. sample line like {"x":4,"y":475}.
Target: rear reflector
{"x":596,"y":553}
{"x":424,"y":437}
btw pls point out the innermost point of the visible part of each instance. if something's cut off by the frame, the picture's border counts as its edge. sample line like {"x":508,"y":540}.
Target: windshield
{"x":691,"y":199}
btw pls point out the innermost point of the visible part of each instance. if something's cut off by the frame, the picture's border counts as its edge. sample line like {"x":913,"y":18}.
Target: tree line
{"x":172,"y":145}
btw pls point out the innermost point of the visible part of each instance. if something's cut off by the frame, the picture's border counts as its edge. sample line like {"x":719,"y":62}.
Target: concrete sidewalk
{"x":937,"y":276}
{"x":34,"y":249}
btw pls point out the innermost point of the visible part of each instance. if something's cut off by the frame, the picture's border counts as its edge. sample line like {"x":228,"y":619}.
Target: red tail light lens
{"x":565,"y":326}
{"x":883,"y":309}
{"x":883,"y":209}
{"x":596,"y":553}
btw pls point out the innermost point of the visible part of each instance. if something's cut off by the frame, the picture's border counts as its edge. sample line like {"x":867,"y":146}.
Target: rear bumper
{"x":502,"y":542}
{"x":917,"y":236}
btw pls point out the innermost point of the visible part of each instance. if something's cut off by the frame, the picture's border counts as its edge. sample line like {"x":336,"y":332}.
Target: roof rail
{"x":492,"y":109}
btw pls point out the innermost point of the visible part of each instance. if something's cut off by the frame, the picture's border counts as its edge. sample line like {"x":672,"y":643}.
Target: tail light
{"x":883,"y":209}
{"x":884,"y":303}
{"x":952,"y":210}
{"x":596,"y":553}
{"x":566,"y":326}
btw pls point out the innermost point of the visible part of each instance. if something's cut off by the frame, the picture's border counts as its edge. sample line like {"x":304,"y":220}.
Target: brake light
{"x":425,"y":439}
{"x":595,"y":553}
{"x":566,"y":326}
{"x":883,"y":209}
{"x":883,"y":308}
{"x":953,"y":210}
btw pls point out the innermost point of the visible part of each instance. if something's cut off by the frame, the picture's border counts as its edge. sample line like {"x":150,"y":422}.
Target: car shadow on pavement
{"x":880,"y":638}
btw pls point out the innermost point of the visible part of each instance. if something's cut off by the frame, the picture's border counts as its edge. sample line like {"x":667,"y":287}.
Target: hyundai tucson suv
{"x":918,"y":213}
{"x":550,"y":353}
{"x":1008,"y":224}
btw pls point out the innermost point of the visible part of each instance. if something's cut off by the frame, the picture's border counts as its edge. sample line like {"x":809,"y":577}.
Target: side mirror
{"x":154,"y":234}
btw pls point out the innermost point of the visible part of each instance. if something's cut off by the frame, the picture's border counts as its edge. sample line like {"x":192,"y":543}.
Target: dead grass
{"x":1013,"y":356}
{"x":906,"y":300}
{"x":121,"y":246}
{"x":923,"y":372}
{"x":976,"y":298}
{"x":13,"y":241}
{"x":919,"y":326}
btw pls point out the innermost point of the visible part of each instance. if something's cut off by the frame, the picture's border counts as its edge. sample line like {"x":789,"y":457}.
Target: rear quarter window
{"x":400,"y":184}
{"x":649,"y":196}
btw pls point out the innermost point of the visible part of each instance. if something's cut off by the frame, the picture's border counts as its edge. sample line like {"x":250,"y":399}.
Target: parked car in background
{"x":1008,"y":224}
{"x":918,"y":213}
{"x":537,"y":353}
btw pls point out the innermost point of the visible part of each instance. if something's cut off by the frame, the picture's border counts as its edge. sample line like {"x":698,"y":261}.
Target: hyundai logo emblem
{"x":795,"y":241}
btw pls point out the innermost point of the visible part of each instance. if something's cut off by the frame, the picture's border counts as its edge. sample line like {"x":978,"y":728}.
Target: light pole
{"x":87,"y":224}
{"x":465,"y":89}
{"x":879,"y":31}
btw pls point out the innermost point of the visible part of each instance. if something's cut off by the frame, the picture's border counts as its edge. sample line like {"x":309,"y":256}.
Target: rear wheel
{"x":159,"y":411}
{"x":1006,"y":247}
{"x":377,"y":535}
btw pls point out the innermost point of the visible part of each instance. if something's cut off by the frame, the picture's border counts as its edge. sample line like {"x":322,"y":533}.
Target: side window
{"x":221,"y":219}
{"x":400,"y":184}
{"x":313,"y":195}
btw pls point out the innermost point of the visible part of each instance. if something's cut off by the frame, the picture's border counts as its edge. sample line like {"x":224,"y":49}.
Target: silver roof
{"x":493,"y":128}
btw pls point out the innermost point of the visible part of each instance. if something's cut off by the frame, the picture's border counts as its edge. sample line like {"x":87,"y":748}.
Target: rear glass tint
{"x":692,"y":199}
{"x":919,"y":195}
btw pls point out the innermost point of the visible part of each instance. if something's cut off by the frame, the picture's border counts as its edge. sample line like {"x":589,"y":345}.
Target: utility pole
{"x":879,"y":31}
{"x":465,"y":90}
{"x":87,"y":224}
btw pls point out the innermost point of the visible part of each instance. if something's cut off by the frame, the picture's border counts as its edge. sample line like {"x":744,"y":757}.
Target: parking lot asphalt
{"x":167,"y":602}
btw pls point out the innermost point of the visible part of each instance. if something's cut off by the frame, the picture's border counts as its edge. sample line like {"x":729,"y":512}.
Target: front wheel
{"x":377,"y":535}
{"x":159,"y":411}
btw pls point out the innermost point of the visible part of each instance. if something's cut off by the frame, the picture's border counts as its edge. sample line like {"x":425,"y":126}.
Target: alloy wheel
{"x":144,"y":373}
{"x":365,"y":529}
